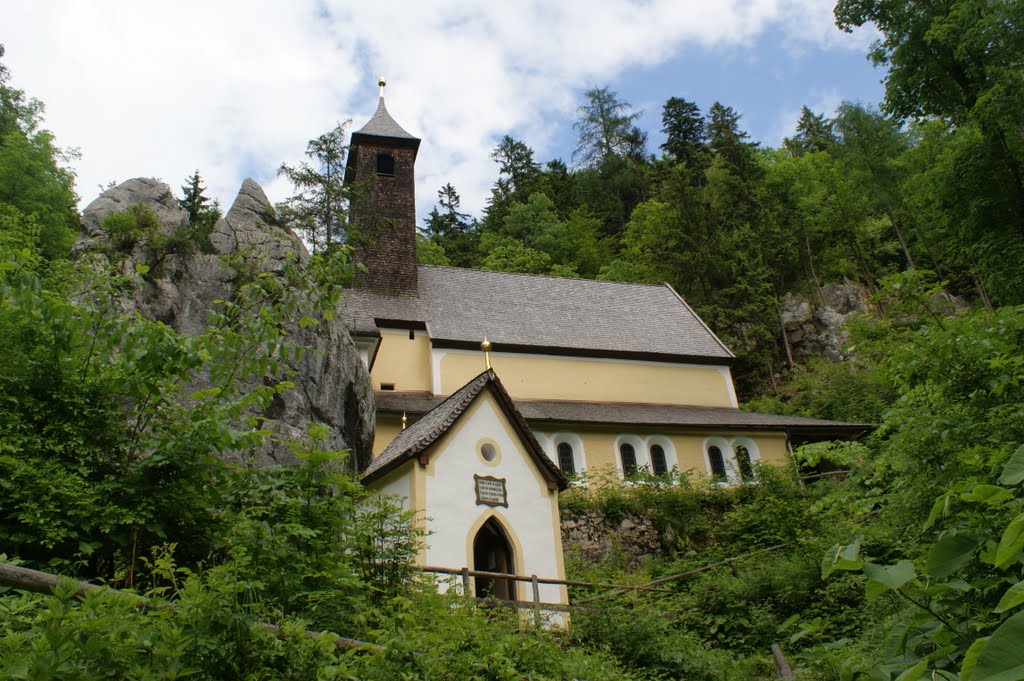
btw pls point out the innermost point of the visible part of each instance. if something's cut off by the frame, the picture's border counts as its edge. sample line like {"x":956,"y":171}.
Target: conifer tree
{"x":813,"y":133}
{"x":605,"y":128}
{"x":319,"y":207}
{"x":196,"y":204}
{"x":686,"y":134}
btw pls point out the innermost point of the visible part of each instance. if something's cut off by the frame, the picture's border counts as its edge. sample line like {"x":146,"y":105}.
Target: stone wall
{"x":592,"y":536}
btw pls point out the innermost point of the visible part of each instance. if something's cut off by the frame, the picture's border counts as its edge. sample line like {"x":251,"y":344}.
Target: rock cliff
{"x":332,"y":386}
{"x":813,"y":324}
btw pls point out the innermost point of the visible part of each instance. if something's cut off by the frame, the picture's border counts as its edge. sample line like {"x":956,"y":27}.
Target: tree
{"x":449,"y":220}
{"x":517,"y":176}
{"x":195,"y":204}
{"x":686,"y":133}
{"x":870,"y":145}
{"x":730,"y":143}
{"x":319,"y":207}
{"x":605,"y":128}
{"x":35,"y":185}
{"x":516,"y":164}
{"x":958,"y":60}
{"x":813,"y":133}
{"x":202,"y":214}
{"x":450,"y":231}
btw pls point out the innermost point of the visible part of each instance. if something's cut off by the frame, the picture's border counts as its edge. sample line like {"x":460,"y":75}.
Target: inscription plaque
{"x":490,"y":491}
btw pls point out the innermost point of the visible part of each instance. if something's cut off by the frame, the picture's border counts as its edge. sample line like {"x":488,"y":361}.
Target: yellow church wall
{"x":547,"y":377}
{"x":601,"y":446}
{"x":402,"y":361}
{"x":388,"y":428}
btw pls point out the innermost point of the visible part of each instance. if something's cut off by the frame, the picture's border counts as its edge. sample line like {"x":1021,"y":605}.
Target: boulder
{"x":332,"y":385}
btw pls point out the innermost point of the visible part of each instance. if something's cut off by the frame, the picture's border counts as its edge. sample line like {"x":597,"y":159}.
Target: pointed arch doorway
{"x":492,"y":552}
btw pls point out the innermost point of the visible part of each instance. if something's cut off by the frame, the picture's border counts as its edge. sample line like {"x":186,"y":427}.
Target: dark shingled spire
{"x":383,"y":125}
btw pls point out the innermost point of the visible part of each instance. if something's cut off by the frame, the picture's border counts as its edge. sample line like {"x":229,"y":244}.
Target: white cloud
{"x":235,"y":87}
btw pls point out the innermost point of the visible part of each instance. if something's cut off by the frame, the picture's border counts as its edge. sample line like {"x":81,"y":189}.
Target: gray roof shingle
{"x":522,"y":311}
{"x":381,"y":124}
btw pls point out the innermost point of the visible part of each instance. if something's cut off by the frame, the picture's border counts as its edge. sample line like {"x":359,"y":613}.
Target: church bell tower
{"x":381,"y":163}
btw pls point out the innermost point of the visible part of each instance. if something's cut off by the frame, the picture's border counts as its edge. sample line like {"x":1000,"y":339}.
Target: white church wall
{"x":531,"y":520}
{"x":397,"y":484}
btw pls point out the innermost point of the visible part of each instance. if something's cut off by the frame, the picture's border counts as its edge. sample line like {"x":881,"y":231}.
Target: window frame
{"x":562,"y":457}
{"x":385,"y":157}
{"x":639,"y":454}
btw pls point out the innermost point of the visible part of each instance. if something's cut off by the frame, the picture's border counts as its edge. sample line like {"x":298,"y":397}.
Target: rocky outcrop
{"x":332,"y":386}
{"x":593,"y":536}
{"x":813,"y":325}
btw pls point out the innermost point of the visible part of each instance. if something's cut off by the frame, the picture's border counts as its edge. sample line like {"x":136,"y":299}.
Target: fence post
{"x":536,"y":600}
{"x":465,"y":583}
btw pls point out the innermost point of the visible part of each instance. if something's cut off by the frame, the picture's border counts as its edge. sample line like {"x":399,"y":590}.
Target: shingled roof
{"x":381,"y":124}
{"x":539,"y":412}
{"x":534,"y":313}
{"x":419,"y":438}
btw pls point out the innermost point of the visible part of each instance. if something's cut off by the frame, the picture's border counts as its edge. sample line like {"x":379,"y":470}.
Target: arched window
{"x":385,"y":164}
{"x":628,"y":455}
{"x":659,"y":465}
{"x":744,"y":462}
{"x":565,"y":460}
{"x":717,"y":461}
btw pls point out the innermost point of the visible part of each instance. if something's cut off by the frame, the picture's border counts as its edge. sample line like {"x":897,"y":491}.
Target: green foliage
{"x":36,"y":186}
{"x":430,"y":252}
{"x":720,"y":622}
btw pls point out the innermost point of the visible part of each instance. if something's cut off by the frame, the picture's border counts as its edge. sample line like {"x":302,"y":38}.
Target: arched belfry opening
{"x":492,"y":552}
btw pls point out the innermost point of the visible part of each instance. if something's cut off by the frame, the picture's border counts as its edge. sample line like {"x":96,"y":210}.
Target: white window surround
{"x":643,"y":459}
{"x":579,"y":459}
{"x":755,"y":455}
{"x":728,"y":447}
{"x":671,"y":460}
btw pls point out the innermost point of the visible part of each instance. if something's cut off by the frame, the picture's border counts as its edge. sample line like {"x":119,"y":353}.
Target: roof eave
{"x":459,"y":344}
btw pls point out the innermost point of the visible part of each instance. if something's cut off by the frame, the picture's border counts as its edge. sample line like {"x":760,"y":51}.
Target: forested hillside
{"x":893,"y":559}
{"x":933,"y":180}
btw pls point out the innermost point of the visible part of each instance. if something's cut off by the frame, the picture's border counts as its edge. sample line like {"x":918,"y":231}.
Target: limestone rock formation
{"x":332,"y":386}
{"x":814,"y":325}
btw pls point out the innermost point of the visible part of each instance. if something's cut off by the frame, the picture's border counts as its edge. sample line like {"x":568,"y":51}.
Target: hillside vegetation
{"x":909,"y":566}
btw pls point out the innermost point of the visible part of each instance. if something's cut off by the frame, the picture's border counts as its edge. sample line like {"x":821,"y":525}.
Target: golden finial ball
{"x":486,"y":345}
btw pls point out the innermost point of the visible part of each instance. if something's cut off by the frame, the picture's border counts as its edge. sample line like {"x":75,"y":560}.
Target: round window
{"x":488,"y":452}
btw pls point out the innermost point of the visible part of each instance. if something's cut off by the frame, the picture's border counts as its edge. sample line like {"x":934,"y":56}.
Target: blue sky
{"x":236,"y":87}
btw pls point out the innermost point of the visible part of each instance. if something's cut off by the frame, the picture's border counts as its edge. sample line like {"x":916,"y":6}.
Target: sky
{"x":234,"y":88}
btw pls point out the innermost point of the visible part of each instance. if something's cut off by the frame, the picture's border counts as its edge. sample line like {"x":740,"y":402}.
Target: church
{"x":495,"y":391}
